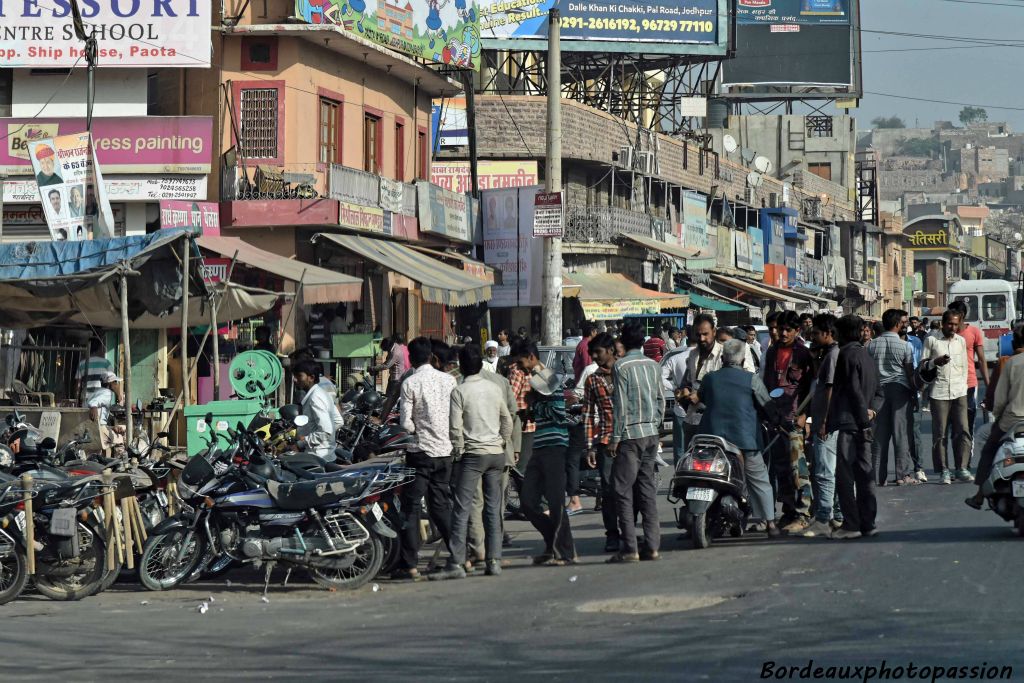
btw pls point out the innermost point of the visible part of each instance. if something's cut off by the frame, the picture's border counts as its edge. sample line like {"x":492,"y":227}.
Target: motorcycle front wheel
{"x":75,"y":578}
{"x":169,"y":559}
{"x":13,"y":575}
{"x":344,"y":574}
{"x":699,"y":530}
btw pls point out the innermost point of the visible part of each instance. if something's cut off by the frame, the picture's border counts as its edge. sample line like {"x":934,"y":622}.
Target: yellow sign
{"x":614,"y":310}
{"x":491,"y":175}
{"x":851,"y":103}
{"x":365,"y":218}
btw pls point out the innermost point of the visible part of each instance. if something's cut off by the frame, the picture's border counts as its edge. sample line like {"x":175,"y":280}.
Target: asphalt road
{"x":939,"y":586}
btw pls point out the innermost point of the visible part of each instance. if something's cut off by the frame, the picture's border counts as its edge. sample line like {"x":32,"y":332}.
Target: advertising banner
{"x":362,"y":218}
{"x":635,"y":26}
{"x":547,"y":214}
{"x":439,"y":31}
{"x":509,"y":246}
{"x":744,"y":259}
{"x":793,"y":11}
{"x":491,"y":175}
{"x":121,"y":189}
{"x":391,"y":192}
{"x":147,"y":144}
{"x":695,"y":221}
{"x":756,"y":249}
{"x":726,"y":249}
{"x":443,"y":212}
{"x":135,"y":34}
{"x":617,"y":310}
{"x":448,"y":122}
{"x":71,"y":188}
{"x":202,"y":217}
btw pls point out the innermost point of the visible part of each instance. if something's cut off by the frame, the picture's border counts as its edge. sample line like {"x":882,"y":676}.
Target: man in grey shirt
{"x":480,"y":427}
{"x":895,"y":362}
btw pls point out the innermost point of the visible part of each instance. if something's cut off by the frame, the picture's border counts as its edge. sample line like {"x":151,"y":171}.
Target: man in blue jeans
{"x":823,"y":467}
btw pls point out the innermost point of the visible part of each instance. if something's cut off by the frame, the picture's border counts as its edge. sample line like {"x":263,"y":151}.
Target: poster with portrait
{"x":71,"y":188}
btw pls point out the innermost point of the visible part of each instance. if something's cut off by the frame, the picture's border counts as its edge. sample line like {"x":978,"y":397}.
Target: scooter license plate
{"x":161,"y":498}
{"x":377,"y":512}
{"x":700,"y":494}
{"x":19,"y":519}
{"x":1018,"y":488}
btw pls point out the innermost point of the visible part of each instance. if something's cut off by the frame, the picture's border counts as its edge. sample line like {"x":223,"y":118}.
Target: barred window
{"x":258,"y":114}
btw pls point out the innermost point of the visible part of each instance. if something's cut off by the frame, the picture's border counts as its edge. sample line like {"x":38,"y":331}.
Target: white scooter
{"x":1004,"y":488}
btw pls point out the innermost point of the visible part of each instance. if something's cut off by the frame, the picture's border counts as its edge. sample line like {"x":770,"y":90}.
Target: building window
{"x":259,"y":53}
{"x":821,"y":169}
{"x":423,"y":150}
{"x":399,"y":151}
{"x":330,"y":131}
{"x":258,"y":117}
{"x":371,"y":143}
{"x":6,"y":78}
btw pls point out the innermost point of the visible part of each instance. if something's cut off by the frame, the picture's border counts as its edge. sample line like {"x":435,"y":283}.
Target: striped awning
{"x":611,"y":296}
{"x":754,"y":289}
{"x":319,"y":285}
{"x":440,"y":283}
{"x":693,"y":258}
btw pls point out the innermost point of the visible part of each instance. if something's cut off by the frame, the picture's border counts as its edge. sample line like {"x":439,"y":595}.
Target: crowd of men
{"x":842,"y":393}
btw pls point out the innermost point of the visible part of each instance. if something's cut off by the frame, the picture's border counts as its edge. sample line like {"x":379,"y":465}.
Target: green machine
{"x":255,"y":377}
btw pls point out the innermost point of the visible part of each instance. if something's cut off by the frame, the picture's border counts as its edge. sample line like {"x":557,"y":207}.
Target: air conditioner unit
{"x":748,"y":194}
{"x":624,"y":157}
{"x":773,"y":200}
{"x":645,"y":162}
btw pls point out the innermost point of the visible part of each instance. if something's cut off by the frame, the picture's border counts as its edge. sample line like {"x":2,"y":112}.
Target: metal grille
{"x":258,"y":114}
{"x":600,"y":224}
{"x":346,"y":527}
{"x":818,"y":126}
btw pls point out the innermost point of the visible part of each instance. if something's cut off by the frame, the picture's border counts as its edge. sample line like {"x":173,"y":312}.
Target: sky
{"x":975,"y":74}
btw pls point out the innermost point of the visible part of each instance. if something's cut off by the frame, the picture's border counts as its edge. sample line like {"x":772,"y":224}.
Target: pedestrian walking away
{"x":425,"y":409}
{"x":638,"y":409}
{"x":856,"y":397}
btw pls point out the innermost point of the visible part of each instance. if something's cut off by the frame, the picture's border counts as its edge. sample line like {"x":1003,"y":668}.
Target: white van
{"x":991,"y":305}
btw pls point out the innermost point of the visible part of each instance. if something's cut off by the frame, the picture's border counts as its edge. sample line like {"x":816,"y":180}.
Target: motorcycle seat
{"x":302,"y":495}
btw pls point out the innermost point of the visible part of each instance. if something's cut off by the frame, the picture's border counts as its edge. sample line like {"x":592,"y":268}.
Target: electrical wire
{"x":45,"y":104}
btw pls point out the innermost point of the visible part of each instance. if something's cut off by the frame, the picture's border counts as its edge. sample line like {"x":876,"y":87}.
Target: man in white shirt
{"x":318,"y":434}
{"x":673,"y":371}
{"x":99,"y":403}
{"x":425,"y":410}
{"x":944,"y":364}
{"x":490,"y":356}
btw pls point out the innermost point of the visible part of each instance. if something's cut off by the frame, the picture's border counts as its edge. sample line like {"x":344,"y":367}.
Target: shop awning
{"x":694,"y":259}
{"x":708,"y":293}
{"x":701,"y":301}
{"x":319,"y":285}
{"x":610,"y":296}
{"x":441,"y":284}
{"x":569,"y":289}
{"x":866,"y":291}
{"x":798,"y":294}
{"x":756,"y":290}
{"x":470,"y":265}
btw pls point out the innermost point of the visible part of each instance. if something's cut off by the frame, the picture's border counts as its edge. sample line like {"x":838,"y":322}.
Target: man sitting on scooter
{"x":732,"y":399}
{"x":1007,"y":410}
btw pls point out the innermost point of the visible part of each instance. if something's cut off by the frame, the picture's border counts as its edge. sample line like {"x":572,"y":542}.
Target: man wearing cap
{"x":99,"y":403}
{"x":48,"y":174}
{"x":490,"y":356}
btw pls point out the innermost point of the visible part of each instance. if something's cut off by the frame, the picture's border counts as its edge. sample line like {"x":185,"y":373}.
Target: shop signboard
{"x":156,"y":34}
{"x":547,"y":214}
{"x":790,"y":12}
{"x":146,"y":144}
{"x":443,"y":32}
{"x":617,"y":310}
{"x":756,"y":249}
{"x":743,"y":251}
{"x":443,"y":212}
{"x":491,"y":175}
{"x":510,"y":247}
{"x":695,"y":222}
{"x":361,"y":218}
{"x":202,"y":217}
{"x":725,"y":253}
{"x":71,"y":188}
{"x":121,"y":189}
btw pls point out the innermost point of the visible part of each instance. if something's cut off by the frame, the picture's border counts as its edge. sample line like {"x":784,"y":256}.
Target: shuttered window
{"x":258,"y":112}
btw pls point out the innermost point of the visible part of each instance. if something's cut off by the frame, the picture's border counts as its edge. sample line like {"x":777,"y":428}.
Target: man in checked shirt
{"x":597,"y":414}
{"x":525,"y":363}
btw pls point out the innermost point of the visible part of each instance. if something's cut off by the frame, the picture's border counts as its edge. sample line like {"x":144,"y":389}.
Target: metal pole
{"x":126,"y":341}
{"x":216,"y":348}
{"x":184,"y":323}
{"x":551,"y":302}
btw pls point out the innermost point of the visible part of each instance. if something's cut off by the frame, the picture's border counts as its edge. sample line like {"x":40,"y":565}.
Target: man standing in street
{"x":638,"y":409}
{"x":654,"y":348}
{"x":598,"y":415}
{"x":914,"y":410}
{"x":894,"y":361}
{"x":480,"y":425}
{"x":975,"y":361}
{"x":673,"y":371}
{"x":855,"y":398}
{"x":525,"y":360}
{"x":704,"y":358}
{"x":944,"y":364}
{"x":425,"y":414}
{"x":318,"y":435}
{"x":788,"y":366}
{"x":824,"y":442}
{"x":581,"y":359}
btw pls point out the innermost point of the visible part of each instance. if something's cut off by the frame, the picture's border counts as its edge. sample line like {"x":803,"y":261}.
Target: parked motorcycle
{"x":1004,"y":488}
{"x":241,"y":503}
{"x":709,"y":481}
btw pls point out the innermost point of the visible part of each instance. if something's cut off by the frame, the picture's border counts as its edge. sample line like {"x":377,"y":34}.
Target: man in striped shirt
{"x":91,"y":373}
{"x":638,"y":407}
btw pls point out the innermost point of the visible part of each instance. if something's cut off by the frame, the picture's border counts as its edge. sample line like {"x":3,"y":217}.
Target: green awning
{"x":701,"y":301}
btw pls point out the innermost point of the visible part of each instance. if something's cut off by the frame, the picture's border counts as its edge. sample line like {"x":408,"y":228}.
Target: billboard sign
{"x":793,"y":12}
{"x":695,"y":222}
{"x":443,"y":212}
{"x":130,"y":34}
{"x":491,"y":175}
{"x":203,"y":218}
{"x":509,"y":246}
{"x":71,"y":188}
{"x":148,"y":144}
{"x":448,"y":122}
{"x":442,"y":32}
{"x":657,"y":26}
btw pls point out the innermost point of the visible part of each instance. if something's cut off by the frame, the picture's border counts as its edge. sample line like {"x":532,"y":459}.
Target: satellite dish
{"x":825,"y":199}
{"x":754,"y":179}
{"x":763,"y":164}
{"x":747,"y":155}
{"x":729,"y":143}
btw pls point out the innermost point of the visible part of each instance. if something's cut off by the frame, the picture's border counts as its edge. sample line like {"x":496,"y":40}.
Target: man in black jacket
{"x":856,"y":397}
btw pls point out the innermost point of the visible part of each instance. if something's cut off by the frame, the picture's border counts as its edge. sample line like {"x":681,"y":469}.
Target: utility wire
{"x":45,"y":104}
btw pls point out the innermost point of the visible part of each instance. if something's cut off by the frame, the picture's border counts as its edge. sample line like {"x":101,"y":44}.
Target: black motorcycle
{"x":709,"y":482}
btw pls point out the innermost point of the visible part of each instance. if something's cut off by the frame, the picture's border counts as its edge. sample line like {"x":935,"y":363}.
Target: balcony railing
{"x":265,"y":182}
{"x":362,"y":188}
{"x":600,"y":224}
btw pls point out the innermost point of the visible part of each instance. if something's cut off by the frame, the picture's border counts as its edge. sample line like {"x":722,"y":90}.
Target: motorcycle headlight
{"x":6,"y":456}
